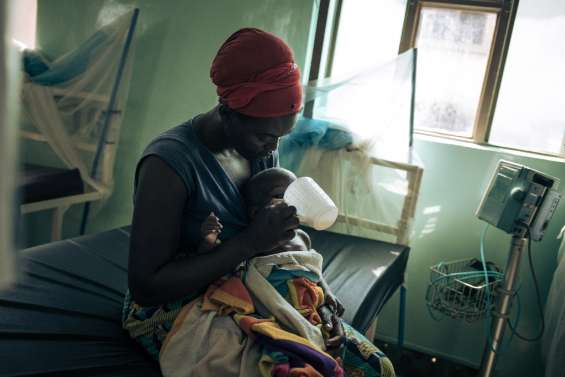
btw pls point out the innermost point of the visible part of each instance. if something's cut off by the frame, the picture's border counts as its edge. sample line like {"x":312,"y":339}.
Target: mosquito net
{"x":355,"y":139}
{"x":76,"y":102}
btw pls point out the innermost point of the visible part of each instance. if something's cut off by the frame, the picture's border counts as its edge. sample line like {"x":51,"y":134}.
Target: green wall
{"x":176,"y":41}
{"x":446,"y":229}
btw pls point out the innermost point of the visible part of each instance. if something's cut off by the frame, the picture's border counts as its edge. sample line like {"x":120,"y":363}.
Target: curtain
{"x":553,"y":343}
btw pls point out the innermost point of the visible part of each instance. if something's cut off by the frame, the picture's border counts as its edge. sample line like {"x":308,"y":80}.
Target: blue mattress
{"x":62,"y":317}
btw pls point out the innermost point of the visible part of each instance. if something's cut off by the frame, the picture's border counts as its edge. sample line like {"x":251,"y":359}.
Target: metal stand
{"x":503,"y":306}
{"x":402,"y":316}
{"x":110,"y":111}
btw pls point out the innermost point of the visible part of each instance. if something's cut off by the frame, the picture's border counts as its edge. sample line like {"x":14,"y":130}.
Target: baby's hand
{"x":332,"y":331}
{"x":335,"y":305}
{"x":211,"y":229}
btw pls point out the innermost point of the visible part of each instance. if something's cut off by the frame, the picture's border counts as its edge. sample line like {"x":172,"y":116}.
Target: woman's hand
{"x":272,"y":226}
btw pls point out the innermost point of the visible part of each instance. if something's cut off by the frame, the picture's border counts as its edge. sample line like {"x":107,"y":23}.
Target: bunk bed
{"x":75,"y":107}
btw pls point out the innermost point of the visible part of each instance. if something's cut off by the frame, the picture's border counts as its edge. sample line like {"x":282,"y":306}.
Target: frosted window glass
{"x":453,"y":51}
{"x":530,"y":111}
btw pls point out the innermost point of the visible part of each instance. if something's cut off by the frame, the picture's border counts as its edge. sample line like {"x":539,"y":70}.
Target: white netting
{"x":68,"y":100}
{"x":357,"y":146}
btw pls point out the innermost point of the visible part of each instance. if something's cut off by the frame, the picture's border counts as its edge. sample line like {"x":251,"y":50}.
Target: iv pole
{"x":109,"y":112}
{"x":520,"y":201}
{"x":503,"y":305}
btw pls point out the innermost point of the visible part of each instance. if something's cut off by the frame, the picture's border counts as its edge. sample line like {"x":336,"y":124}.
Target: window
{"x":489,"y":71}
{"x":530,"y":111}
{"x":369,"y":34}
{"x":461,"y":49}
{"x":453,"y":53}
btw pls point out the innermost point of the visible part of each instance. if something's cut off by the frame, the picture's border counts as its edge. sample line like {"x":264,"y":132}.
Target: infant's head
{"x":265,"y":188}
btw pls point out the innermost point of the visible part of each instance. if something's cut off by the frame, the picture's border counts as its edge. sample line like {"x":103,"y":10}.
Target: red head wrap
{"x":255,"y":75}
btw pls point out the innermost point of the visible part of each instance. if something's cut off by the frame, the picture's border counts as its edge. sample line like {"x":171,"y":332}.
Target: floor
{"x":409,"y":363}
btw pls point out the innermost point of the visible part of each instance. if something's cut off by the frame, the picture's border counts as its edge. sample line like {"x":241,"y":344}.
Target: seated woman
{"x":200,"y":167}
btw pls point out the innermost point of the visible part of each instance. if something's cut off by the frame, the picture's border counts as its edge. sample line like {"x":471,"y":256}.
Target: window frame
{"x":506,"y":14}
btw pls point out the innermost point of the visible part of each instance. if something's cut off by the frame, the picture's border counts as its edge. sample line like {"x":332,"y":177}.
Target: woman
{"x":198,"y":168}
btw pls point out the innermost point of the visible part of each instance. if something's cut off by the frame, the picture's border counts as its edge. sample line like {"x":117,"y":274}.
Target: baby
{"x":265,"y":188}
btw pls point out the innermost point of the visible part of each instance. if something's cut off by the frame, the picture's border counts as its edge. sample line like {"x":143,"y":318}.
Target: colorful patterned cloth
{"x":285,"y":353}
{"x":149,"y":325}
{"x":280,"y":346}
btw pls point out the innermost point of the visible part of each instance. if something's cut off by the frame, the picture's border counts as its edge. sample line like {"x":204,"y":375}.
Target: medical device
{"x":520,"y":201}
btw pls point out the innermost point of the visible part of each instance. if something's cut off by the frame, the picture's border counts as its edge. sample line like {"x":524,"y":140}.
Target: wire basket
{"x":458,"y":289}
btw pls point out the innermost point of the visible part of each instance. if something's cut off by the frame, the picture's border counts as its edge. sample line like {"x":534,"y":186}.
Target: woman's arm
{"x":154,"y":277}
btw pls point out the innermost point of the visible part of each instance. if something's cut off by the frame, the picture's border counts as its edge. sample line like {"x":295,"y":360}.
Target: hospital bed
{"x":62,"y":317}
